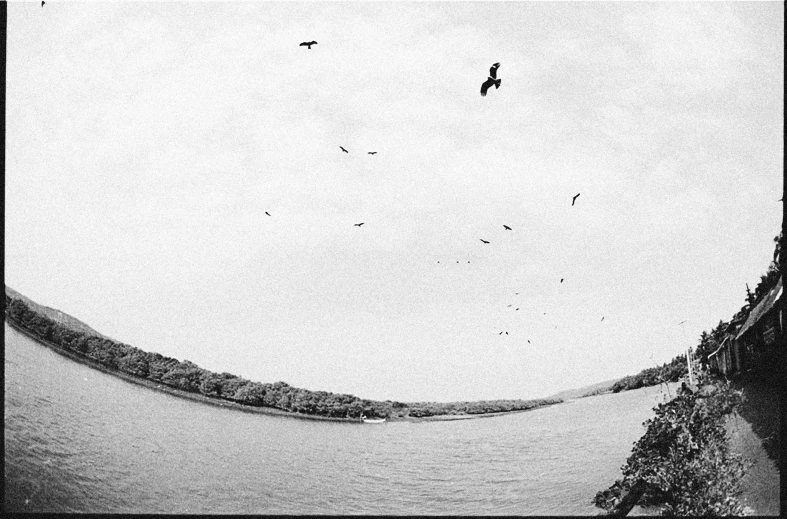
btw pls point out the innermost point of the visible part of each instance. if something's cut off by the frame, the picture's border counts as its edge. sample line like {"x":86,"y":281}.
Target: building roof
{"x":762,"y":308}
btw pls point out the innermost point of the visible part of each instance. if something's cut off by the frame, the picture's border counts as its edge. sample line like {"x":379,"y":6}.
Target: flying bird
{"x":491,"y":80}
{"x":483,"y":240}
{"x":528,"y":341}
{"x":42,"y":3}
{"x":681,"y":322}
{"x":501,"y":333}
{"x":372,"y":152}
{"x":507,"y":228}
{"x":308,"y":44}
{"x":574,"y":199}
{"x":602,"y":318}
{"x":266,"y":212}
{"x":359,"y":224}
{"x":343,"y":149}
{"x":561,"y":280}
{"x":506,"y":333}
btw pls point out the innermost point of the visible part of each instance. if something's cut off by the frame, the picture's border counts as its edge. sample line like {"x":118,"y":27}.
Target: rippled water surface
{"x":81,"y":440}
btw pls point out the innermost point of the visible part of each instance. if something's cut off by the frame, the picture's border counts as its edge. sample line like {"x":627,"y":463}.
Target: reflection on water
{"x":106,"y":445}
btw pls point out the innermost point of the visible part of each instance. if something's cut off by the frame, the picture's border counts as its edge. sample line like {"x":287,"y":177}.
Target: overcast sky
{"x":145,"y":143}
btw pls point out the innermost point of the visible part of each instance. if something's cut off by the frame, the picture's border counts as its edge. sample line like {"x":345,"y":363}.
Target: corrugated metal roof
{"x":761,"y":309}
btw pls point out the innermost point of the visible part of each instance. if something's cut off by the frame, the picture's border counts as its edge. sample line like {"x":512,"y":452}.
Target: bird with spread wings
{"x":491,"y":80}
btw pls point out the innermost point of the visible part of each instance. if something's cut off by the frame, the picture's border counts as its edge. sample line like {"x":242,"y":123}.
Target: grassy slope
{"x":55,"y":315}
{"x":593,"y":389}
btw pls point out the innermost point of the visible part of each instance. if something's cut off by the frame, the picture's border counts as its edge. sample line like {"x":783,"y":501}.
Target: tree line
{"x":187,"y":376}
{"x":667,"y":372}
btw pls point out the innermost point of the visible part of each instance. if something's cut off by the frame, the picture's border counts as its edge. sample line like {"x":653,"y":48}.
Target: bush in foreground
{"x":683,"y":460}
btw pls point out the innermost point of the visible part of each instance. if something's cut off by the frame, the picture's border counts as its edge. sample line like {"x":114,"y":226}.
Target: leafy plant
{"x":683,"y":459}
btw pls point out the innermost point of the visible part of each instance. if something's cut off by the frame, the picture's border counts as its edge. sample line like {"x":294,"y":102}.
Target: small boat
{"x":373,"y":420}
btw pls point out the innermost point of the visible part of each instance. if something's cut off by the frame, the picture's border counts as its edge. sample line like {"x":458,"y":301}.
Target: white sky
{"x":146,"y":141}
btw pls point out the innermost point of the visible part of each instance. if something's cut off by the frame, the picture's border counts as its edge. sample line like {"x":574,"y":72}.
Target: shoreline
{"x":227,"y":404}
{"x":163,"y":388}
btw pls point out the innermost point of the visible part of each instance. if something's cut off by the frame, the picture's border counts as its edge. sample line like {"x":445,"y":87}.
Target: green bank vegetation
{"x":683,"y":464}
{"x":60,"y":330}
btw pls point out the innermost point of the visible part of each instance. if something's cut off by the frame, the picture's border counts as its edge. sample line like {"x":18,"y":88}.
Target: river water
{"x":78,"y":440}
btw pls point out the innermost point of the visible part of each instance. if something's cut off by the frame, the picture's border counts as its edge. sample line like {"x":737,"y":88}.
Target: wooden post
{"x":688,"y":365}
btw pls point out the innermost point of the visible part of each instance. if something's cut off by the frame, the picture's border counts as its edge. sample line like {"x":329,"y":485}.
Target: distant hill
{"x":593,"y":389}
{"x":55,"y":315}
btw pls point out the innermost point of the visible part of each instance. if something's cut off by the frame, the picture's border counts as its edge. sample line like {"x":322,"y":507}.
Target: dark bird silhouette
{"x":507,"y":228}
{"x":359,"y":224}
{"x":509,"y":306}
{"x":501,"y":333}
{"x":602,"y":319}
{"x":491,"y":80}
{"x":528,"y":341}
{"x":561,"y":280}
{"x":483,"y":240}
{"x":506,"y":333}
{"x":42,"y":3}
{"x":308,"y":44}
{"x":266,"y":212}
{"x":516,"y":310}
{"x":372,"y":152}
{"x":343,"y":149}
{"x":681,"y":322}
{"x":574,"y":199}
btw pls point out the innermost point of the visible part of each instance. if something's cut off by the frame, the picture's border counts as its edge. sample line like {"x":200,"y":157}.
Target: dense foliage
{"x":683,"y":459}
{"x":668,"y":372}
{"x":189,"y":377}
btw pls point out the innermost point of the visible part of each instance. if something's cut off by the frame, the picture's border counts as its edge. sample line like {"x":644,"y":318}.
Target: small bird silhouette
{"x":602,"y":318}
{"x":359,"y":224}
{"x":561,"y":280}
{"x":516,"y":310}
{"x":574,"y":199}
{"x":308,"y":44}
{"x":266,"y":212}
{"x":42,"y":3}
{"x":506,"y":333}
{"x":344,"y":150}
{"x":372,"y":152}
{"x":509,"y":306}
{"x":491,"y":80}
{"x":501,"y":333}
{"x":507,"y":228}
{"x":483,"y":240}
{"x":528,"y":341}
